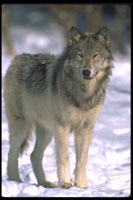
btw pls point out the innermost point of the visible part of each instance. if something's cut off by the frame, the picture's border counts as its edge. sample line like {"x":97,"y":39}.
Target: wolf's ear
{"x":74,"y":35}
{"x":103,"y":35}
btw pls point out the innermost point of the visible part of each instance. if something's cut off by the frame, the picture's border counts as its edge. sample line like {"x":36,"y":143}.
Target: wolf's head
{"x":89,"y":52}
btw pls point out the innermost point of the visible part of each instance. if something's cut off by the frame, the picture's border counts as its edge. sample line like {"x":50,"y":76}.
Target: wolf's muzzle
{"x":86,"y":73}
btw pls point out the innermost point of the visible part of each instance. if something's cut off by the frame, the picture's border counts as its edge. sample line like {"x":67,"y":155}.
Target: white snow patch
{"x":121,"y":131}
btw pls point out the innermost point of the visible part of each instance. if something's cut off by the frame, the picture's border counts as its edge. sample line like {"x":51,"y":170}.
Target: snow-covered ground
{"x":108,"y":168}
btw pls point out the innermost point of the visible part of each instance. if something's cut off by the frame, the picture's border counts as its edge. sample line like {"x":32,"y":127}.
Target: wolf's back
{"x":26,"y":72}
{"x":24,"y":64}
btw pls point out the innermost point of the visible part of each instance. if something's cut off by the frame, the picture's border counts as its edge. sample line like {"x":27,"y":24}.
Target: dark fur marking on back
{"x":36,"y":80}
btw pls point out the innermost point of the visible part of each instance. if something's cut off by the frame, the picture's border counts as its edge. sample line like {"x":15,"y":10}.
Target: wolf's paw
{"x":15,"y":179}
{"x":65,"y":185}
{"x":81,"y":185}
{"x":48,"y":184}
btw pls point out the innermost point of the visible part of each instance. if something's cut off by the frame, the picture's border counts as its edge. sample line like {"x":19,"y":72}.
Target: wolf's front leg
{"x":62,"y":156}
{"x":82,"y":142}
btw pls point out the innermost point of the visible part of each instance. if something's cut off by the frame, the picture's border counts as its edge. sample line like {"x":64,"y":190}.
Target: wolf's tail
{"x":25,"y":143}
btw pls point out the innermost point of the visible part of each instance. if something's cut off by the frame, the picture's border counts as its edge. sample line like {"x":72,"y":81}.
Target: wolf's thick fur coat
{"x":58,"y":94}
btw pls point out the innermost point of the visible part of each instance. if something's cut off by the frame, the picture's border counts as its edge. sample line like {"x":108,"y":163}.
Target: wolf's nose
{"x":86,"y":73}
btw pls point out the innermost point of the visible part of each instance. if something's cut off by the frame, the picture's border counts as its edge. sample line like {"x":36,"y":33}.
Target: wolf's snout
{"x":86,"y":73}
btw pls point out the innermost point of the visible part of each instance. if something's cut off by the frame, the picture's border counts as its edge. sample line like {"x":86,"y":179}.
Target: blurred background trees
{"x":88,"y":17}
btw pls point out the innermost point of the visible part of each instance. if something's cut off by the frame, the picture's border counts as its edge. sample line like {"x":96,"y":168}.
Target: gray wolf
{"x":57,"y":95}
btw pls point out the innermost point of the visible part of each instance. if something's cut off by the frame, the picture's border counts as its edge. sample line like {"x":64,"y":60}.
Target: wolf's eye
{"x":96,"y":57}
{"x":79,"y":56}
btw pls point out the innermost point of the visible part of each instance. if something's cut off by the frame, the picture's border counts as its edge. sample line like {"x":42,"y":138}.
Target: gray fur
{"x":53,"y":94}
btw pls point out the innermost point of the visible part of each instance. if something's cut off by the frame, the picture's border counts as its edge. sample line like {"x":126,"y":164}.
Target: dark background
{"x":88,"y":17}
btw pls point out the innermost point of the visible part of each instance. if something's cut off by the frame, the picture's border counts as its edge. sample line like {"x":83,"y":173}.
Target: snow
{"x":108,"y":167}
